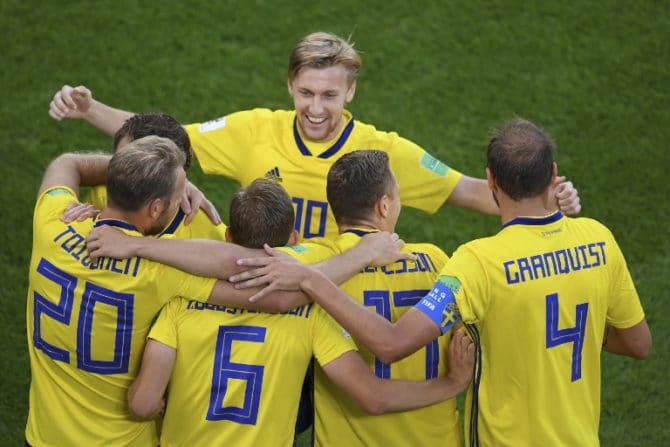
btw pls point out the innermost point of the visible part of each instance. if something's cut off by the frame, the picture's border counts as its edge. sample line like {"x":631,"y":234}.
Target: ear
{"x":490,"y":180}
{"x":156,"y":207}
{"x":290,"y":87}
{"x":382,"y":206}
{"x":351,"y":91}
{"x":293,"y":238}
{"x":229,"y":236}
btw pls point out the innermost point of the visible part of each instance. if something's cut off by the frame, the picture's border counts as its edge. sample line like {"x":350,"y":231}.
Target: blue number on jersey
{"x":574,"y":335}
{"x":380,"y":300}
{"x":224,"y":370}
{"x":62,"y":312}
{"x":304,"y":226}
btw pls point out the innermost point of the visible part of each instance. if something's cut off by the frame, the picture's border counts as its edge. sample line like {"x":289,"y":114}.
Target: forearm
{"x":105,"y":118}
{"x":201,"y":257}
{"x":401,"y":395}
{"x":144,"y":407}
{"x":474,"y":194}
{"x":342,"y":267}
{"x":225,"y":294}
{"x":368,"y":328}
{"x":75,"y":170}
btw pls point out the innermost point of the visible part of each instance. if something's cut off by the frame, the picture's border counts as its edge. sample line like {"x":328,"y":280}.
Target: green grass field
{"x":595,"y":74}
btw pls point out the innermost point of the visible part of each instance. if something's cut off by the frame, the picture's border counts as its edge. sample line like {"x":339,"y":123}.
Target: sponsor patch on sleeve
{"x":298,"y":248}
{"x":433,"y":164}
{"x":440,"y":303}
{"x":209,"y":126}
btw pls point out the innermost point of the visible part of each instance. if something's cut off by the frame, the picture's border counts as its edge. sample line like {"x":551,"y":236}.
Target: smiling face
{"x":319,"y":96}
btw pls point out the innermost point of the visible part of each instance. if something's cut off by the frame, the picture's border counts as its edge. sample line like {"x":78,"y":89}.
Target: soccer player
{"x":182,"y":225}
{"x":234,"y":377}
{"x":298,"y":146}
{"x":541,"y":299}
{"x":87,"y":319}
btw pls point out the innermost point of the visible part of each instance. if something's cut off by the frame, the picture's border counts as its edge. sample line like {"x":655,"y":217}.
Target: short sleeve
{"x":425,"y":182}
{"x":164,"y":328}
{"x":221,"y":145}
{"x":329,"y":340}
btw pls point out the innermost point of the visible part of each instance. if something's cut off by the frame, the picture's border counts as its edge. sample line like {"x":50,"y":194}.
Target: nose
{"x":315,"y":105}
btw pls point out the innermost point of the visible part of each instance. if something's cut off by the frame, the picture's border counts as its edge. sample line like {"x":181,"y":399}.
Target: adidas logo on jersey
{"x":273,"y":174}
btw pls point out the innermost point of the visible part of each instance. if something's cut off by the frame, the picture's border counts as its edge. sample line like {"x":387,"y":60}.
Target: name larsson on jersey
{"x":74,"y":244}
{"x":557,"y":262}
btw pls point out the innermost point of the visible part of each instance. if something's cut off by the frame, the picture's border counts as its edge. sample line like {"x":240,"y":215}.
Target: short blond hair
{"x":323,"y":50}
{"x":145,"y":170}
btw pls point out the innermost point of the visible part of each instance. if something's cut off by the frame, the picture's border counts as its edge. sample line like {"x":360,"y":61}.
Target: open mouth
{"x":315,"y":120}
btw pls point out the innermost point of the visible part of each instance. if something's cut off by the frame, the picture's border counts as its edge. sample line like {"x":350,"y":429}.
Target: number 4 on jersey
{"x":574,"y":335}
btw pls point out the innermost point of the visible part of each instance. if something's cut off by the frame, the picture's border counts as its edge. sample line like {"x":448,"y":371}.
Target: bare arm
{"x":388,"y":341}
{"x":225,"y":294}
{"x":378,"y":396}
{"x":78,"y":103}
{"x":474,"y":194}
{"x":201,"y":257}
{"x":146,"y":393}
{"x":633,"y":342}
{"x":75,"y":170}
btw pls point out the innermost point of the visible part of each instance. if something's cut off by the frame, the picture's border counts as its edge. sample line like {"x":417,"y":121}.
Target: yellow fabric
{"x":267,"y":356}
{"x":393,"y":289}
{"x":534,"y":389}
{"x":201,"y":227}
{"x":258,"y":143}
{"x":86,"y":326}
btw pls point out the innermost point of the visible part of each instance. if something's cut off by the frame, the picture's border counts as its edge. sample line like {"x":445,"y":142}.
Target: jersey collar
{"x":359,"y":231}
{"x":544,"y":220}
{"x":176,"y":220}
{"x":115,"y":223}
{"x":332,"y":150}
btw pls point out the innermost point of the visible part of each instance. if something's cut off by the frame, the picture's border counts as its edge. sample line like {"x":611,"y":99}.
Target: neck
{"x":534,"y":207}
{"x":131,"y":218}
{"x":363,"y":225}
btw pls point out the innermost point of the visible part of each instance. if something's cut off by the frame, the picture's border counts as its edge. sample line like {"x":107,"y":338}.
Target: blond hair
{"x":323,"y":50}
{"x":145,"y":170}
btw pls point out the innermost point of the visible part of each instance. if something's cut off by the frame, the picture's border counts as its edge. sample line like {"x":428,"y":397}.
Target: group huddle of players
{"x":326,"y":190}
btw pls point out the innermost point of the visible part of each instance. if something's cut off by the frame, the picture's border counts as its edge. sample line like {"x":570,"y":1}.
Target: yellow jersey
{"x":86,"y":325}
{"x":201,"y":227}
{"x":536,"y":297}
{"x":260,"y":143}
{"x":238,"y":374}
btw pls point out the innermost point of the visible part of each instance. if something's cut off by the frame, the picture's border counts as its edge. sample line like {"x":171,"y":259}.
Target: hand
{"x":70,"y":102}
{"x":106,"y":241}
{"x":383,"y":248}
{"x":79,"y":212}
{"x":194,"y":199}
{"x":278,"y":271}
{"x":567,"y":196}
{"x":461,"y":358}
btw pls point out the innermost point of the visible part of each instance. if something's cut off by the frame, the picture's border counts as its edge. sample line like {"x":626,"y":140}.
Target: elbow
{"x":374,"y":404}
{"x":142,"y":409}
{"x":641,"y":351}
{"x":391,"y":351}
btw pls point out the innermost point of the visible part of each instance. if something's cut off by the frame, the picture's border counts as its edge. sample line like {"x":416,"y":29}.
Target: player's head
{"x":362,"y":189}
{"x":322,"y":75}
{"x":159,"y":124}
{"x":147,"y":181}
{"x":261,"y":213}
{"x":520,"y":160}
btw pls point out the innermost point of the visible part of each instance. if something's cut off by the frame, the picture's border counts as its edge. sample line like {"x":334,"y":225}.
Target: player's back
{"x":389,"y":291}
{"x":238,"y":374}
{"x":86,"y":325}
{"x":539,"y":293}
